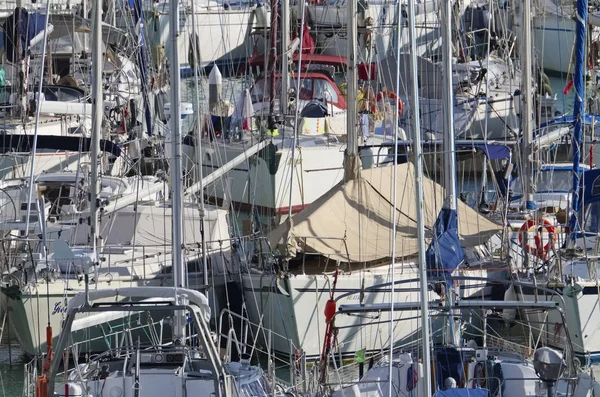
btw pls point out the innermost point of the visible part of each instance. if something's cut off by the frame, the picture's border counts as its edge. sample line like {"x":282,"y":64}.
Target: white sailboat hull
{"x":316,"y":169}
{"x":32,"y":307}
{"x":16,"y":158}
{"x":554,"y":38}
{"x":18,"y":165}
{"x":137,"y":254}
{"x":327,"y":18}
{"x":222,"y":34}
{"x":32,"y":310}
{"x":471,"y":117}
{"x":292,"y":308}
{"x":581,"y":318}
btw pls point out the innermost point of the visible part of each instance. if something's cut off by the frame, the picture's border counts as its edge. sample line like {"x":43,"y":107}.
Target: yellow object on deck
{"x":312,"y":126}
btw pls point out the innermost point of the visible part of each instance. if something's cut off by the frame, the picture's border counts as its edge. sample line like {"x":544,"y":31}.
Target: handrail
{"x":199,"y":322}
{"x":290,"y":361}
{"x":568,"y":346}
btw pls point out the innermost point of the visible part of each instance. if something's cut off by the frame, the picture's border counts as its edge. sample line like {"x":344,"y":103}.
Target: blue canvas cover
{"x":492,"y":152}
{"x":22,"y":26}
{"x":591,"y":186}
{"x":588,"y":217}
{"x":448,"y":364}
{"x":444,"y":253}
{"x":586,"y":120}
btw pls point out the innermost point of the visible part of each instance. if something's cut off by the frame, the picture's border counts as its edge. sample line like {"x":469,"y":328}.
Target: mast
{"x":285,"y":36}
{"x":450,"y":201}
{"x":176,"y":174}
{"x":578,"y":110}
{"x":37,"y":122}
{"x":22,"y":64}
{"x":199,"y":156}
{"x":352,"y":148}
{"x":272,"y":65}
{"x":527,"y":109}
{"x":143,"y":62}
{"x":285,"y":31}
{"x":419,"y":197}
{"x":97,"y":112}
{"x":394,"y":205}
{"x":351,"y":159}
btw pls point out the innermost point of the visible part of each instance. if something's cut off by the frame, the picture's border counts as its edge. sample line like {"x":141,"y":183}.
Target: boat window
{"x":66,"y":94}
{"x":58,"y":195}
{"x":258,"y":388}
{"x":590,"y":221}
{"x":306,"y":88}
{"x":262,"y":89}
{"x":309,"y":89}
{"x":324,"y":89}
{"x":596,"y":187}
{"x":554,"y":181}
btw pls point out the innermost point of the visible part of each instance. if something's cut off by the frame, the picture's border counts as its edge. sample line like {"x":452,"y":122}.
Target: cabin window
{"x":323,"y":89}
{"x":257,"y":388}
{"x":67,"y":94}
{"x":58,"y":195}
{"x":590,"y":221}
{"x":306,"y":93}
{"x":309,"y":89}
{"x":596,"y":187}
{"x":554,"y":181}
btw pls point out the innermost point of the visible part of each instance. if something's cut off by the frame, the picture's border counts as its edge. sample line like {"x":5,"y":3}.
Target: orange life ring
{"x":390,"y":96}
{"x":539,"y":250}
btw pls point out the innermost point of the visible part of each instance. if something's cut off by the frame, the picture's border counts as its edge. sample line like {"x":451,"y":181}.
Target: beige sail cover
{"x":353,"y":221}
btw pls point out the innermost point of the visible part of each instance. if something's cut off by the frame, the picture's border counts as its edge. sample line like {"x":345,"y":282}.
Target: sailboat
{"x":294,"y":154}
{"x":555,"y":32}
{"x":260,"y":161}
{"x":157,"y":369}
{"x":566,"y":273}
{"x":22,"y":113}
{"x":221,"y":33}
{"x":329,"y":24}
{"x":133,"y":231}
{"x":47,"y":113}
{"x":185,"y":366}
{"x":456,"y":369}
{"x":345,"y":238}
